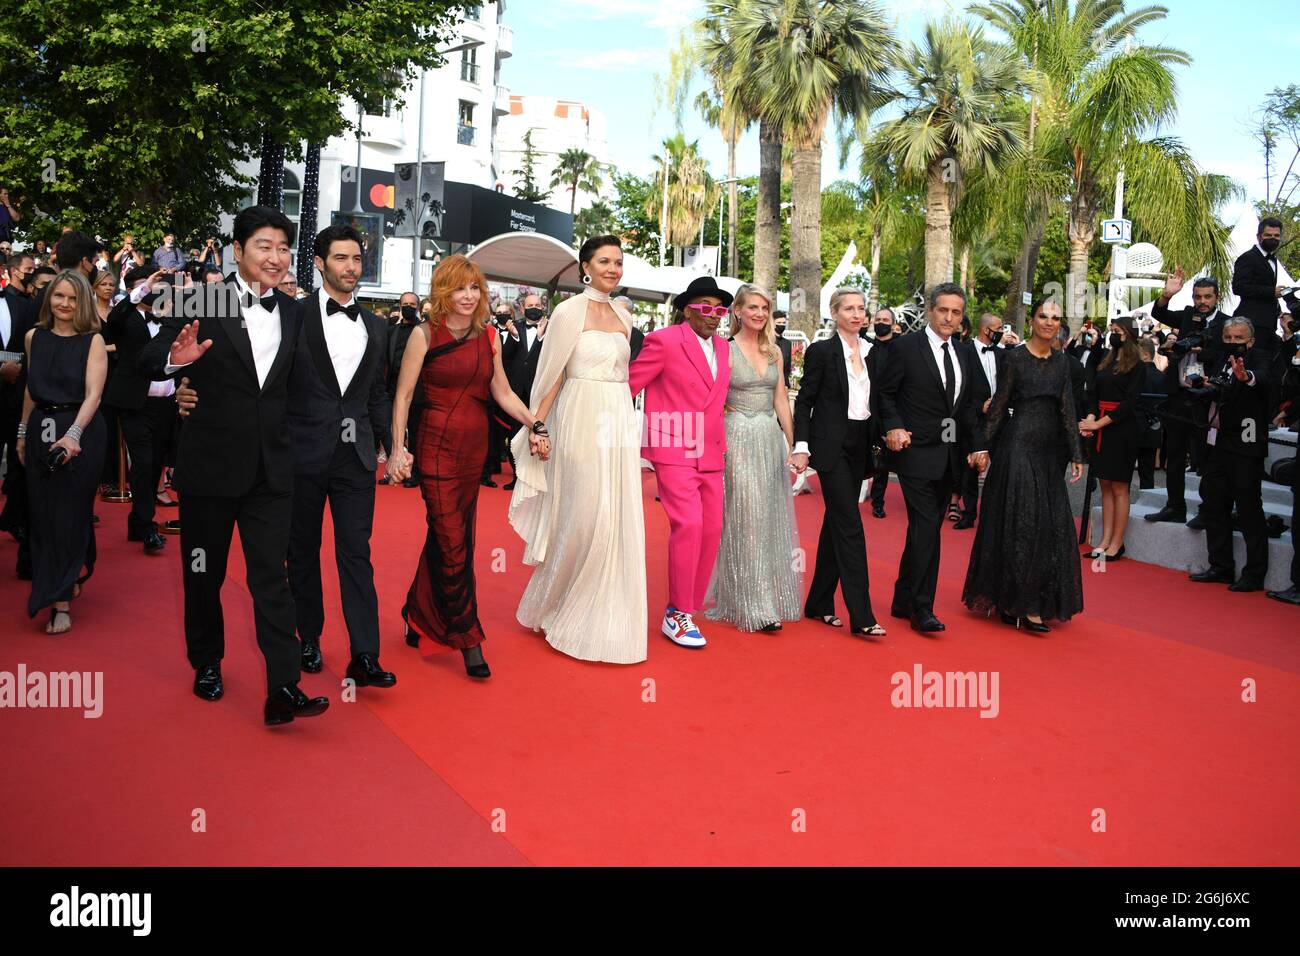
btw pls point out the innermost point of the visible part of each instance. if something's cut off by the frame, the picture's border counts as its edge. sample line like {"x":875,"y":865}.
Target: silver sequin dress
{"x":758,"y":579}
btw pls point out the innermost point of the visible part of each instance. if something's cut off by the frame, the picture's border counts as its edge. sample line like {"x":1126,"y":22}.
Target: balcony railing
{"x":505,"y":40}
{"x":465,"y":135}
{"x":469,"y":71}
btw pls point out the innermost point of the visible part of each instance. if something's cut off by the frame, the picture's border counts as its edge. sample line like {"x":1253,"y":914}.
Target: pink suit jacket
{"x":683,"y":422}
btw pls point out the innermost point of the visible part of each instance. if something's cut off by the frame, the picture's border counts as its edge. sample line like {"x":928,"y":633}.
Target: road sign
{"x":1117,"y":231}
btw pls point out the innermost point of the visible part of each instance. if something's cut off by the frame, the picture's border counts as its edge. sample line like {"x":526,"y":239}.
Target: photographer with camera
{"x":1237,"y":390}
{"x":1191,"y":349}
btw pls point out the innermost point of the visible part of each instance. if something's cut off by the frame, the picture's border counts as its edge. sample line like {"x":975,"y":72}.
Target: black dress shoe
{"x":877,"y":511}
{"x":475,"y":666}
{"x":1290,"y":596}
{"x":285,"y":703}
{"x":1245,"y":584}
{"x":509,"y":485}
{"x":927,"y":624}
{"x":1168,"y":514}
{"x":1211,"y":576}
{"x":365,"y":670}
{"x":963,"y":523}
{"x":1009,"y":619}
{"x":207,"y":682}
{"x":487,"y":482}
{"x":1034,"y":627}
{"x":311,"y":659}
{"x":135,"y":535}
{"x":900,"y":613}
{"x":1197,"y":523}
{"x":154,"y":543}
{"x":411,"y":483}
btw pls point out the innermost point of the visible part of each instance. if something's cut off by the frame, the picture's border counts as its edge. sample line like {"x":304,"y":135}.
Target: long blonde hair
{"x":86,"y":319}
{"x":767,"y":337}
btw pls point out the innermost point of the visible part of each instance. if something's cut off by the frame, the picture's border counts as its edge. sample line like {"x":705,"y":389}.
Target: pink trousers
{"x":693,"y":500}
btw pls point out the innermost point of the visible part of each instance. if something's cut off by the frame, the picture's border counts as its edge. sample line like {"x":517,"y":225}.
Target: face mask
{"x":996,"y":337}
{"x":534,"y":315}
{"x":1087,"y":341}
{"x":410,"y":314}
{"x":1116,"y":340}
{"x":1238,"y":349}
{"x":882,"y":329}
{"x":1270,"y":245}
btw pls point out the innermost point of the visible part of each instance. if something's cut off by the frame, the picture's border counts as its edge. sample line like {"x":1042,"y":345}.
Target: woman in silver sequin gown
{"x":756,"y":583}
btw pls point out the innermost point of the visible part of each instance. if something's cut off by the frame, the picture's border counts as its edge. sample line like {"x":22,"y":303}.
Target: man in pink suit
{"x":685,"y":370}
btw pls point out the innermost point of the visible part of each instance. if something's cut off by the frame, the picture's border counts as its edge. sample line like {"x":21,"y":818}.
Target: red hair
{"x":456,"y":272}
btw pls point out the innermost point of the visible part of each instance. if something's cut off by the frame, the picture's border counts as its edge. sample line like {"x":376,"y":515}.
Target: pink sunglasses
{"x":709,"y":311}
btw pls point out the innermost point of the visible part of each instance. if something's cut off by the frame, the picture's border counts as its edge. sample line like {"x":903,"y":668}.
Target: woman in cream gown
{"x":579,"y":512}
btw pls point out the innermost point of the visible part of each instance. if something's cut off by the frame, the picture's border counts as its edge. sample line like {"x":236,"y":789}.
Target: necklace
{"x":464,"y":334}
{"x":595,"y":294}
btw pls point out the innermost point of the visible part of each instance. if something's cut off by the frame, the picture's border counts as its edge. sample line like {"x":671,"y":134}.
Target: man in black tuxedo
{"x":1255,"y":280}
{"x":1184,"y":419}
{"x":989,"y":355}
{"x":930,"y":394}
{"x":339,"y":413}
{"x":1234,"y":469}
{"x":519,"y":351}
{"x":883,"y":328}
{"x":17,"y":315}
{"x":234,"y":463}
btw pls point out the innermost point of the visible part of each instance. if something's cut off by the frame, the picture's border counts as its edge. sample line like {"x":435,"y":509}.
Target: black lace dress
{"x":1025,"y":559}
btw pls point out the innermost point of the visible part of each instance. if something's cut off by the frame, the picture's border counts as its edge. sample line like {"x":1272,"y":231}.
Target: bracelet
{"x":22,"y":429}
{"x":74,"y":432}
{"x":539,"y":428}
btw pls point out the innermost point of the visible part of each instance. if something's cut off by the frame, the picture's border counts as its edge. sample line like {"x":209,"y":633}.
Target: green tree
{"x":577,"y":170}
{"x":692,"y":193}
{"x":638,"y":229}
{"x":596,"y":220}
{"x":529,"y":189}
{"x":112,"y":141}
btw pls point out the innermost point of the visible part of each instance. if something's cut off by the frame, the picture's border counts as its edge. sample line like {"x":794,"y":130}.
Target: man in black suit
{"x":398,"y":335}
{"x":17,"y":315}
{"x":234,"y":463}
{"x":930,"y":394}
{"x":989,"y":355}
{"x":1256,"y":282}
{"x":884,"y":330}
{"x":339,"y":414}
{"x":145,"y":408}
{"x":21,"y":267}
{"x":1234,"y":470}
{"x":1184,"y":419}
{"x":519,"y":351}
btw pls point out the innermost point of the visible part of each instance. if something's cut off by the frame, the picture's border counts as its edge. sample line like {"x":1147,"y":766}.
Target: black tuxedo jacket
{"x":1254,"y":281}
{"x":127,"y":329}
{"x":821,"y":409}
{"x":22,"y":316}
{"x":999,"y":360}
{"x":520,"y":362}
{"x":320,"y":412}
{"x":1243,"y":409}
{"x":910,"y":395}
{"x":237,"y":427}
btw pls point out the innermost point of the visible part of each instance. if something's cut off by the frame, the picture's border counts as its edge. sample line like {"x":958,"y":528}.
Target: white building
{"x":463,"y":102}
{"x":556,"y":125}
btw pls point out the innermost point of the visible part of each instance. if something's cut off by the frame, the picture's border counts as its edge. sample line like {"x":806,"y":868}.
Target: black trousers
{"x":350,"y":490}
{"x":842,"y":546}
{"x":148,"y":434}
{"x":879,"y":482}
{"x":970,"y":492}
{"x":1229,"y":478}
{"x":207,"y":523}
{"x":1183,"y":441}
{"x":918,"y":570}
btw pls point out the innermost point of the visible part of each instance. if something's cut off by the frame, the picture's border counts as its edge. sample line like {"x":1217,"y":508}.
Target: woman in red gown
{"x":455,"y":365}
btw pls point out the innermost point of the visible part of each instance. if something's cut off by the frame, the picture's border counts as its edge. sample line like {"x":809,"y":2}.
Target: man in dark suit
{"x":1256,"y":282}
{"x":1234,"y":470}
{"x":779,"y":319}
{"x":234,"y":463}
{"x":930,"y":394}
{"x":519,"y":351}
{"x":989,"y":355}
{"x":339,"y":414}
{"x":1184,"y":419}
{"x":883,"y":329}
{"x":17,"y":315}
{"x":145,"y":408}
{"x":398,"y":336}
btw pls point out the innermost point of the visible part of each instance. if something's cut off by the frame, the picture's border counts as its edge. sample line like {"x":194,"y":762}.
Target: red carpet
{"x":1133,"y":709}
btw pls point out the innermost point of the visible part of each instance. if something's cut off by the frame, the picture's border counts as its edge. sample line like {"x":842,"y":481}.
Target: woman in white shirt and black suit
{"x":832,"y":431}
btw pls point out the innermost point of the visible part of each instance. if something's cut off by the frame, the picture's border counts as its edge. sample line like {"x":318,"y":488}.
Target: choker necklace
{"x":463,"y":333}
{"x":591,"y":293}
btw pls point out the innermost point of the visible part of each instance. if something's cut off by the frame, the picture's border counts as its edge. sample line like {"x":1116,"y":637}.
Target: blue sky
{"x":607,"y":54}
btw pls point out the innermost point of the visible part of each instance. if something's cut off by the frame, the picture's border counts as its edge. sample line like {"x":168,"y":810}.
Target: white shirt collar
{"x":936,"y":340}
{"x":325,"y":299}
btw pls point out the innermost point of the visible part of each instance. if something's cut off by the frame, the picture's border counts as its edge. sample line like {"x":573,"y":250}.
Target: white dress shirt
{"x":6,"y":327}
{"x":530,"y":336}
{"x":166,"y":388}
{"x":936,"y":348}
{"x":345,"y":340}
{"x":989,"y":360}
{"x":709,"y":354}
{"x":859,"y":409}
{"x":263,"y":329}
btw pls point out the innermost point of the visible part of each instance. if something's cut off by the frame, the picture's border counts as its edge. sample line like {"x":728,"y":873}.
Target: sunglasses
{"x":709,"y":311}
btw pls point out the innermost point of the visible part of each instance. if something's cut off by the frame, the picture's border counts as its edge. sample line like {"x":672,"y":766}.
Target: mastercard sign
{"x":381,"y":196}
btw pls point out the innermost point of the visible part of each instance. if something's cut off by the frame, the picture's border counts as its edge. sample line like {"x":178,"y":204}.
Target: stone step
{"x":1276,"y":502}
{"x":1272,"y":491}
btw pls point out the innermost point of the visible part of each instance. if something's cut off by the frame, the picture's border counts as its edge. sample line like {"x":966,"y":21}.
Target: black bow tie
{"x":267,"y":301}
{"x":351,"y":311}
{"x":984,"y":349}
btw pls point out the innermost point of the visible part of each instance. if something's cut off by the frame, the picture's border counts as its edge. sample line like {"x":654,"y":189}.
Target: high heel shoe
{"x":1034,"y":627}
{"x":1117,"y":555}
{"x":1009,"y":619}
{"x":479,"y":669}
{"x":412,"y":639}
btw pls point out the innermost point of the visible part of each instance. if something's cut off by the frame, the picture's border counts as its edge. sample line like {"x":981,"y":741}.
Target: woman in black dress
{"x":1025,"y":561}
{"x":1112,"y":428}
{"x":61,"y":443}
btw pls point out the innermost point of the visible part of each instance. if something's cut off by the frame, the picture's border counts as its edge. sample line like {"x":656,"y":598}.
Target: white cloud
{"x":613,"y":60}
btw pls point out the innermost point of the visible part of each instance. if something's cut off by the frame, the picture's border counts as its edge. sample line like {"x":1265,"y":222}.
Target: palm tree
{"x":716,"y":114}
{"x":692,"y":193}
{"x":577,"y":169}
{"x":955,"y":121}
{"x":596,"y":220}
{"x":884,"y":206}
{"x":809,"y":63}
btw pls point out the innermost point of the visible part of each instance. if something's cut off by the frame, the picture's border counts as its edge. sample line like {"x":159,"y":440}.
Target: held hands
{"x":1088,"y":426}
{"x":978,"y":459}
{"x":799,"y":462}
{"x":186,"y":398}
{"x":897,"y":439}
{"x":187,"y":349}
{"x":399,"y":465}
{"x":539,"y":446}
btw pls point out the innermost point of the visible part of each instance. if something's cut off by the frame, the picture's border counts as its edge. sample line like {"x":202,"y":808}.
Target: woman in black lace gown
{"x":1025,"y":560}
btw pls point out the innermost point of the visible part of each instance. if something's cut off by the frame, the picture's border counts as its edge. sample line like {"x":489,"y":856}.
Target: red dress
{"x":450,"y":446}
